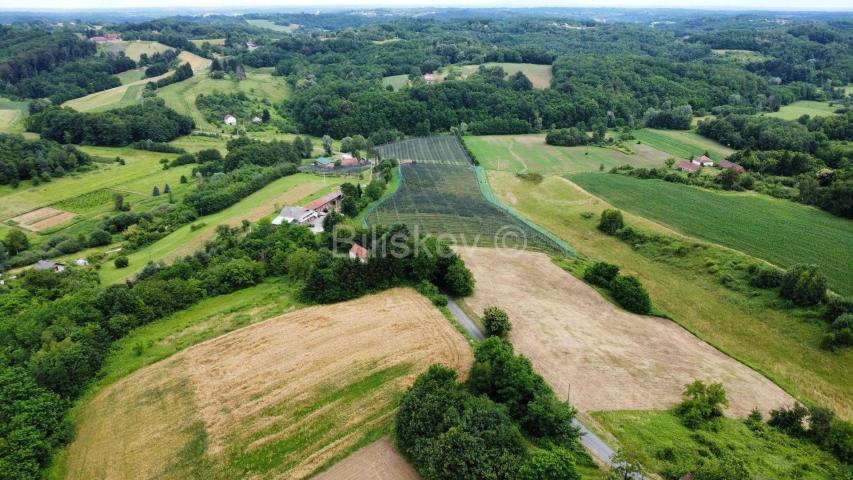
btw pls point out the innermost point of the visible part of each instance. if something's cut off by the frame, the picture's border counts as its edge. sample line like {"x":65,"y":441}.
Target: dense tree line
{"x":151,"y":121}
{"x":182,"y":73}
{"x":39,"y":160}
{"x":504,"y":423}
{"x":222,"y":190}
{"x":27,"y":53}
{"x":760,"y":133}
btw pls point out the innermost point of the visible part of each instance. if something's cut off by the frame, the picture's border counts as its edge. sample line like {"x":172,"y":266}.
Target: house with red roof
{"x":357,"y":252}
{"x":732,"y":165}
{"x":326,"y":203}
{"x":703,"y":161}
{"x":686,"y":166}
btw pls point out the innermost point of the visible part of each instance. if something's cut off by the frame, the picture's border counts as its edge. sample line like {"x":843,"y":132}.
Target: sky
{"x":845,"y":5}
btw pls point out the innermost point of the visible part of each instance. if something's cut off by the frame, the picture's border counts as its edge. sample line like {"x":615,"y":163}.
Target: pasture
{"x":270,"y":25}
{"x":396,"y":81}
{"x":259,"y":83}
{"x":804,"y":107}
{"x":198,"y":42}
{"x":440,"y":149}
{"x":610,"y":358}
{"x":187,"y":239}
{"x":279,"y":398}
{"x":767,"y":454}
{"x":12,"y":115}
{"x":539,"y":75}
{"x":530,"y":153}
{"x":138,"y":176}
{"x":681,"y":144}
{"x":779,"y":231}
{"x":131,"y":76}
{"x":753,"y":329}
{"x":135,"y":48}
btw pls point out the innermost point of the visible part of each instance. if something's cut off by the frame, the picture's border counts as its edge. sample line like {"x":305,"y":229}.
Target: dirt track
{"x":283,"y":396}
{"x":611,"y":359}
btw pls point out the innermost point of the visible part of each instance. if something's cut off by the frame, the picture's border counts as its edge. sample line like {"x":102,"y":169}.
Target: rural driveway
{"x":590,"y":440}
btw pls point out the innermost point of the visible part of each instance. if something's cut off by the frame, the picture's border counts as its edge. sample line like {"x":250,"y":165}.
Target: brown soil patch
{"x":609,"y":358}
{"x":377,"y":461}
{"x":42,"y":219}
{"x":277,"y":399}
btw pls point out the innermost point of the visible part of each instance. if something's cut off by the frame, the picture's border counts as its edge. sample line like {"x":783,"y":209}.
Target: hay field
{"x":12,"y":115}
{"x":610,"y":358}
{"x":277,"y":399}
{"x":377,"y":461}
{"x":198,"y":42}
{"x":530,"y":153}
{"x":772,"y":340}
{"x":135,"y":48}
{"x":42,"y":219}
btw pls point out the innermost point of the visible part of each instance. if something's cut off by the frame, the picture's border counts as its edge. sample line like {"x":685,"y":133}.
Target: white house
{"x":300,"y":215}
{"x":230,"y":120}
{"x":81,"y":262}
{"x":703,"y":161}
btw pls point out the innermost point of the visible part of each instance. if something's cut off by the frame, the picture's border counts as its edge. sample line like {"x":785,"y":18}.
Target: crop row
{"x":444,"y":150}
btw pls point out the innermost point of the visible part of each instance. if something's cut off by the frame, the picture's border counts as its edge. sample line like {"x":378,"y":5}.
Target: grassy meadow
{"x":804,"y":107}
{"x":753,"y":329}
{"x":270,"y":25}
{"x":293,"y":189}
{"x":539,"y":75}
{"x":259,"y":83}
{"x":198,"y":42}
{"x":522,"y":153}
{"x":681,"y":144}
{"x":396,"y":81}
{"x":767,"y":454}
{"x":779,"y":231}
{"x":12,"y":115}
{"x":740,"y":56}
{"x":138,"y":176}
{"x":135,"y":48}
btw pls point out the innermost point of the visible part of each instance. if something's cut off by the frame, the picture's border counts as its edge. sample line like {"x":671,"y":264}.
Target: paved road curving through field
{"x":590,"y":440}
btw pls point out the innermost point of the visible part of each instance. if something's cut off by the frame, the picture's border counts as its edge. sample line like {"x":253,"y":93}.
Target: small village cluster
{"x":705,"y":161}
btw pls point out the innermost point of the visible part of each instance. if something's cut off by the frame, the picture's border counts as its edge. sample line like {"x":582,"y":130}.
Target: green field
{"x":804,"y":107}
{"x":135,"y":49}
{"x":751,"y":327}
{"x":396,"y":81}
{"x":682,"y":144}
{"x":259,"y":83}
{"x":141,"y":172}
{"x":767,"y":454}
{"x":779,"y":231}
{"x":523,"y":153}
{"x":12,"y":115}
{"x":273,"y":26}
{"x":131,"y":76}
{"x":198,"y":42}
{"x":440,"y":149}
{"x":741,"y":56}
{"x":539,"y":75}
{"x":185,"y":240}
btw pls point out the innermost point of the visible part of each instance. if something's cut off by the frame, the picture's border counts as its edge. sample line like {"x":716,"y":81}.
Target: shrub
{"x":496,"y":322}
{"x":701,"y":403}
{"x":556,"y":464}
{"x":99,"y":238}
{"x":611,"y":221}
{"x":430,"y":291}
{"x":601,"y":274}
{"x":121,"y":262}
{"x":804,"y":285}
{"x":836,"y":306}
{"x":765,"y":277}
{"x":630,"y":294}
{"x":458,"y":279}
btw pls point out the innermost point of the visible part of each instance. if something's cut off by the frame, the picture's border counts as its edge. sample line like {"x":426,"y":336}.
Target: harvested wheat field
{"x":611,"y":359}
{"x":278,"y":399}
{"x":42,"y":219}
{"x":377,"y":461}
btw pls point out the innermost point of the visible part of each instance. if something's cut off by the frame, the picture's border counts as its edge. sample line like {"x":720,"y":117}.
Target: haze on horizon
{"x":776,"y":5}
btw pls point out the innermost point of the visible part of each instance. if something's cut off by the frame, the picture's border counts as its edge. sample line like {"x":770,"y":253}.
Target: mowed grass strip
{"x":187,"y":239}
{"x":779,"y":231}
{"x":12,"y":115}
{"x":681,"y":143}
{"x":530,"y":153}
{"x":774,"y":341}
{"x":767,"y":454}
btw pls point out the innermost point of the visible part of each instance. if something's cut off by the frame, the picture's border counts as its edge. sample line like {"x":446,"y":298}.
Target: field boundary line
{"x":372,"y":208}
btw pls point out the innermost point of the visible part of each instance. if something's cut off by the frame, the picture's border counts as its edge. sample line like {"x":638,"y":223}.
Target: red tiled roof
{"x":734,"y":166}
{"x":359,"y":251}
{"x":685,"y":165}
{"x":322,"y":201}
{"x":703,"y":159}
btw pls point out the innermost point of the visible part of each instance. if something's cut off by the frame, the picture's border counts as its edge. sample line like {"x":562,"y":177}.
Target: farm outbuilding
{"x":686,"y":166}
{"x":357,"y":252}
{"x":326,"y":203}
{"x":703,"y":161}
{"x":230,"y":120}
{"x":732,"y":165}
{"x":47,"y":265}
{"x":295,"y":214}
